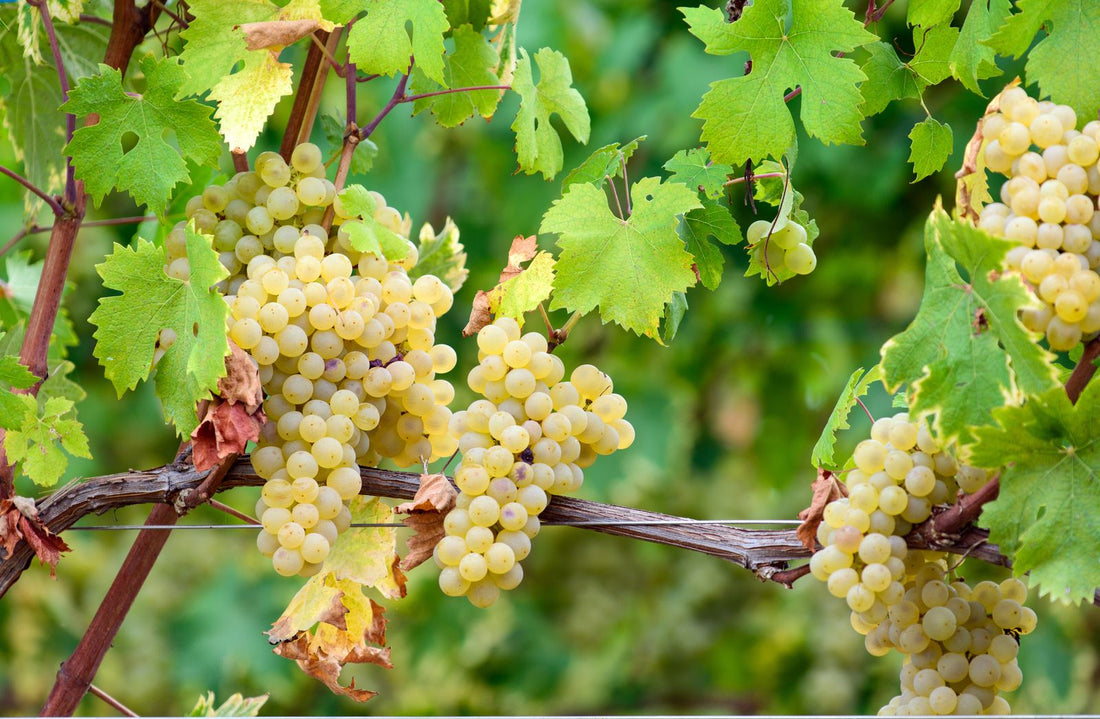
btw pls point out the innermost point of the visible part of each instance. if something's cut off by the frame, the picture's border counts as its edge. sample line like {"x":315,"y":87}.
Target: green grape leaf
{"x":972,"y":59}
{"x":966,"y":352}
{"x":537,"y":144}
{"x":45,"y":431}
{"x":889,"y":79}
{"x":362,"y":157}
{"x":340,"y":11}
{"x":379,"y":43}
{"x":931,"y":65}
{"x":235,"y":706}
{"x":931,"y":146}
{"x":128,"y":325}
{"x":674,"y":315}
{"x":823,"y":456}
{"x":629,"y":268}
{"x":694,"y":169}
{"x":31,"y":96}
{"x":931,"y":12}
{"x":472,"y":12}
{"x":13,"y":373}
{"x":746,"y":118}
{"x":366,"y":233}
{"x":472,"y":64}
{"x":700,"y":224}
{"x":441,"y":254}
{"x":775,"y":191}
{"x":17,"y":297}
{"x":1044,"y":517}
{"x":152,"y":167}
{"x":518,"y":295}
{"x":1062,"y":63}
{"x":606,"y":162}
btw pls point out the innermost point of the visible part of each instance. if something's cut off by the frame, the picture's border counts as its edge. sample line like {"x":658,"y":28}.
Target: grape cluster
{"x":344,"y":342}
{"x":1049,"y":207}
{"x":786,"y":248}
{"x":529,"y":438}
{"x":900,"y":598}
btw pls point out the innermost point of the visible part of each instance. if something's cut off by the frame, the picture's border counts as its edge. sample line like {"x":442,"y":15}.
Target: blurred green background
{"x":725,"y":417}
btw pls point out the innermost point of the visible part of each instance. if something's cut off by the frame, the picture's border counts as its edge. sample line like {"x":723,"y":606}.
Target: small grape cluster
{"x":900,"y":598}
{"x":529,"y":438}
{"x":1049,"y":207}
{"x":786,"y":248}
{"x":344,"y":342}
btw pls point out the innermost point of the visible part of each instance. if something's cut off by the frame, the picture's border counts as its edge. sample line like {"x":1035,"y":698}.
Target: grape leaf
{"x":17,"y":297}
{"x":32,"y":95}
{"x":628,"y":268}
{"x":972,"y":59}
{"x":13,"y":374}
{"x":128,"y":324}
{"x":694,"y":168}
{"x":537,"y":144}
{"x":822,"y":456}
{"x":152,"y":167}
{"x":700,"y":224}
{"x":340,"y":11}
{"x":931,"y":146}
{"x":34,"y":443}
{"x":1044,"y":517}
{"x":380,"y":44}
{"x":889,"y":79}
{"x":966,"y":352}
{"x":473,"y":12}
{"x":522,"y":293}
{"x":368,"y":234}
{"x":1062,"y":63}
{"x":674,"y":315}
{"x":247,"y":98}
{"x":471,"y":64}
{"x":746,"y":118}
{"x":606,"y":162}
{"x":441,"y":255}
{"x":367,"y":556}
{"x":235,"y":706}
{"x":29,"y":24}
{"x":362,"y":157}
{"x":931,"y":12}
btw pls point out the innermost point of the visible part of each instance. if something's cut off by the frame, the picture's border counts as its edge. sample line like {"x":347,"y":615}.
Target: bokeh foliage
{"x":726,"y":418}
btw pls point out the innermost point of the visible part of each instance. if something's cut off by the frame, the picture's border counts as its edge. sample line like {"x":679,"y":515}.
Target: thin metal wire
{"x":586,"y":523}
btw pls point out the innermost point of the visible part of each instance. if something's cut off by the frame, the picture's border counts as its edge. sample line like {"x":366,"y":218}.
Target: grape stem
{"x":750,"y":178}
{"x":35,"y":229}
{"x":558,"y":337}
{"x":111,"y":701}
{"x":54,"y":205}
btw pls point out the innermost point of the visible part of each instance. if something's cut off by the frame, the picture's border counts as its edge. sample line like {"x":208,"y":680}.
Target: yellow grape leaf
{"x":247,"y":98}
{"x":368,"y":555}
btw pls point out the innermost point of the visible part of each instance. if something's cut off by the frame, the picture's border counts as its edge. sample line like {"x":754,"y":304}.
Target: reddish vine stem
{"x":35,"y":229}
{"x":1084,"y":370}
{"x":46,"y":197}
{"x":75,"y":676}
{"x":301,"y":99}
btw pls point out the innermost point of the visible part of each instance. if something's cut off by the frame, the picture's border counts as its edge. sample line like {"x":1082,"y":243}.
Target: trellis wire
{"x":586,"y":523}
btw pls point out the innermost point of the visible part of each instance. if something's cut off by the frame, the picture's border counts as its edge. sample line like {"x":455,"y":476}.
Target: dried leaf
{"x":427,"y":531}
{"x":226,"y":429}
{"x":19,"y":520}
{"x":436,"y":493}
{"x":242,"y":380}
{"x":276,"y":33}
{"x":826,"y":488}
{"x":479,"y":314}
{"x":522,"y":250}
{"x":326,"y":668}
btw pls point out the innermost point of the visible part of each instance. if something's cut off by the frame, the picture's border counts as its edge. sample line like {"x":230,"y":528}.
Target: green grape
{"x":800,"y":259}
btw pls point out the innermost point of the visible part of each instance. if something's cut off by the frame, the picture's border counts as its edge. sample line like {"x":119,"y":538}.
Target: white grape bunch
{"x":344,"y":342}
{"x":903,"y":599}
{"x":786,"y":248}
{"x":529,"y":438}
{"x":1048,"y":207}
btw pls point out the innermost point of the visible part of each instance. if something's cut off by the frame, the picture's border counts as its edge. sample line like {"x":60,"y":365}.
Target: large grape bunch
{"x":960,"y":641}
{"x":344,"y":342}
{"x":529,"y":438}
{"x":1049,"y":207}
